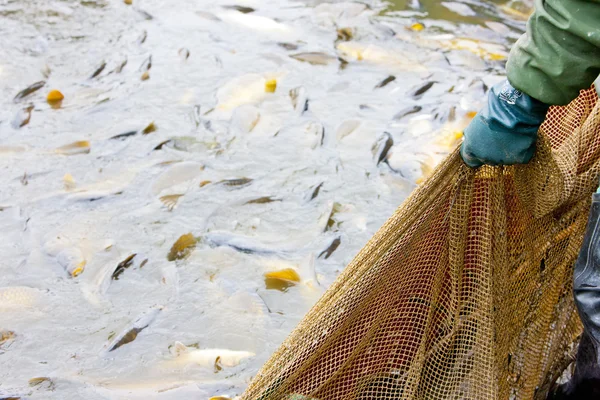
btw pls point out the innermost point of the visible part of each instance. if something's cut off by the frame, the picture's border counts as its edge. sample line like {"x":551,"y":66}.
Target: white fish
{"x":255,"y":22}
{"x":380,"y":55}
{"x":245,"y":118}
{"x":346,"y":128}
{"x":72,"y":260}
{"x":131,"y":331}
{"x":245,"y":89}
{"x":176,"y":174}
{"x":247,"y":244}
{"x":12,"y":297}
{"x":208,"y":357}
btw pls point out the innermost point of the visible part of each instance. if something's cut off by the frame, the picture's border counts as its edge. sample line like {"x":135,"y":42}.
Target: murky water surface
{"x":272,"y":137}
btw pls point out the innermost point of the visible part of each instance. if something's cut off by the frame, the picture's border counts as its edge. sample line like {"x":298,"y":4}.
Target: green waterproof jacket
{"x":560,"y":53}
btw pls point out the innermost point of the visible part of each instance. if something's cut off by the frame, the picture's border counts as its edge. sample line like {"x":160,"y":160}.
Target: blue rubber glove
{"x":505,"y":130}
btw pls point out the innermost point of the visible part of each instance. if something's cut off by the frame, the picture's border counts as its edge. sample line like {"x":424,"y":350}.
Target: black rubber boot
{"x":585,"y":383}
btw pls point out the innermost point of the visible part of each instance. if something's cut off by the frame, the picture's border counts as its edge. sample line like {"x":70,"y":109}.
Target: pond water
{"x":269,"y":139}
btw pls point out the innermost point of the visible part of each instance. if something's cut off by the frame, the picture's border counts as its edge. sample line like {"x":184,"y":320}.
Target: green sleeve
{"x":560,"y":53}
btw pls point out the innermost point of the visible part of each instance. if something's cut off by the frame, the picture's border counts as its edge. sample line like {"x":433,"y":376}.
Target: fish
{"x":72,"y":260}
{"x":184,"y":355}
{"x":170,"y":200}
{"x":407,"y":111}
{"x":346,"y":128}
{"x":315,"y":58}
{"x":239,"y":182}
{"x":42,"y":383}
{"x":384,"y":82}
{"x":183,"y":247}
{"x":382,"y":147}
{"x":79,"y":147}
{"x":379,"y":55}
{"x":6,"y":338}
{"x":130,"y":333}
{"x":196,"y":114}
{"x":146,"y":64}
{"x":299,"y":99}
{"x":55,"y":98}
{"x":288,"y":46}
{"x":22,"y":117}
{"x":12,"y":297}
{"x":242,"y":90}
{"x":281,"y":279}
{"x":184,"y":54}
{"x":69,"y":182}
{"x":146,"y":15}
{"x":262,"y":200}
{"x":345,"y":34}
{"x":124,"y":135}
{"x":420,"y":91}
{"x":151,"y":127}
{"x":245,"y":118}
{"x":98,"y":70}
{"x":249,"y":245}
{"x":331,"y":248}
{"x":120,"y":66}
{"x":29,"y":90}
{"x":271,"y":86}
{"x":161,"y":144}
{"x":254,"y":22}
{"x":122,"y":266}
{"x":142,"y":38}
{"x":242,"y":9}
{"x":209,"y":16}
{"x":315,"y":191}
{"x":316,"y":133}
{"x":175,"y":175}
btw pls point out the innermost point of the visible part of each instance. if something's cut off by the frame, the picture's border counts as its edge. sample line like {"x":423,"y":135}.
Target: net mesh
{"x":465,"y":292}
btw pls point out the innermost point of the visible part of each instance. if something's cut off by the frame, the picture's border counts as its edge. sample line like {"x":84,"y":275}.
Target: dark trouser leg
{"x":585,"y":383}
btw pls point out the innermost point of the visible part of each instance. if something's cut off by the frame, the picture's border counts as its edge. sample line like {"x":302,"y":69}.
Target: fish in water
{"x":242,"y":9}
{"x":332,"y":247}
{"x":130,"y":333}
{"x":213,"y":358}
{"x":299,"y":99}
{"x":72,"y":260}
{"x":407,"y":111}
{"x":79,"y":147}
{"x":184,"y":54}
{"x":384,"y":82}
{"x":315,"y":58}
{"x":18,"y":296}
{"x":315,"y":191}
{"x":183,"y":247}
{"x":22,"y":117}
{"x":146,"y":65}
{"x":346,"y":128}
{"x":382,"y":147}
{"x":98,"y":70}
{"x":263,"y":200}
{"x":250,"y":245}
{"x":170,"y":200}
{"x":142,"y":38}
{"x":239,"y":182}
{"x":122,"y":266}
{"x":29,"y":90}
{"x":420,"y":91}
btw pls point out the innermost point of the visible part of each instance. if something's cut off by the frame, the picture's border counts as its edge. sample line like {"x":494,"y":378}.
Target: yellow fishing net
{"x":465,"y":292}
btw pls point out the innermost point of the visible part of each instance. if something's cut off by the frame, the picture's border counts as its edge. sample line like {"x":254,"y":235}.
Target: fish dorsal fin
{"x":178,"y":349}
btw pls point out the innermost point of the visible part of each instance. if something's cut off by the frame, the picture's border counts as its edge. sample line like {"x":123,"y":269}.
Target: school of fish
{"x":181,"y":181}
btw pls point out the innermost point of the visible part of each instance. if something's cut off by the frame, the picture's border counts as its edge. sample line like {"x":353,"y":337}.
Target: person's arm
{"x":559,"y":54}
{"x":557,"y":57}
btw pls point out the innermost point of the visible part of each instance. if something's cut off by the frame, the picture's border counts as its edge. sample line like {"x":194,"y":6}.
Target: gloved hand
{"x":505,"y":130}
